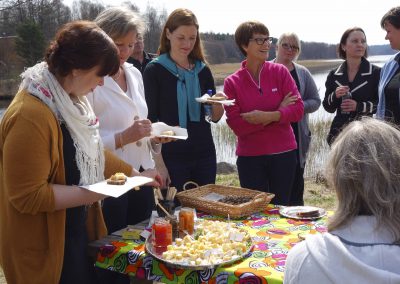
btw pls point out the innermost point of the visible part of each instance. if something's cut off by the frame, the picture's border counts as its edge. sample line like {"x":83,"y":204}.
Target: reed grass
{"x":225,"y":144}
{"x":319,"y":148}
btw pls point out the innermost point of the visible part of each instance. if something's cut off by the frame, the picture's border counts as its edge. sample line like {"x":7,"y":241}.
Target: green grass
{"x":315,"y":194}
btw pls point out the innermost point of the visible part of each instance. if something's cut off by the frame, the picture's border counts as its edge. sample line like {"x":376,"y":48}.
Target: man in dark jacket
{"x":139,"y":57}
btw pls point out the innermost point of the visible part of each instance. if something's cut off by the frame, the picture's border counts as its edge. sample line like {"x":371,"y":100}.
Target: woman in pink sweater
{"x":266,"y":102}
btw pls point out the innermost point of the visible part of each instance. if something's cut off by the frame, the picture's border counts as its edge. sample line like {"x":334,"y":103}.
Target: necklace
{"x":116,"y":77}
{"x":190,"y":66}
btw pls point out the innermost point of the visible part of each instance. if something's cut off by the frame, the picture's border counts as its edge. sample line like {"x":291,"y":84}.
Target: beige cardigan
{"x":31,"y":160}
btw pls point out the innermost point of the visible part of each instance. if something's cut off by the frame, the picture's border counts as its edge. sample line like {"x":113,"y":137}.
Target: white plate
{"x":291,"y":212}
{"x":160,"y":127}
{"x":205,"y":99}
{"x":117,"y":190}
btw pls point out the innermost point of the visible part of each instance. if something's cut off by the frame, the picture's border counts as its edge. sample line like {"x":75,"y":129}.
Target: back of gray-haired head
{"x":364,"y":169}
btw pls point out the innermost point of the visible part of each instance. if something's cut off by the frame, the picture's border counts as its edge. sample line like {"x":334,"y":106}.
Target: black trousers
{"x":78,"y":267}
{"x":296,"y":197}
{"x":202,"y":170}
{"x":269,"y":173}
{"x":128,"y":209}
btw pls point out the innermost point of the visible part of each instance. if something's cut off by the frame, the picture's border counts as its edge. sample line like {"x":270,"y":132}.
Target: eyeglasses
{"x":290,"y":47}
{"x":261,"y":41}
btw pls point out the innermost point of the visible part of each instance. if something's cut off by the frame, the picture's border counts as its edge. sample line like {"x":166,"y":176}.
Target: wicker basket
{"x":195,"y":198}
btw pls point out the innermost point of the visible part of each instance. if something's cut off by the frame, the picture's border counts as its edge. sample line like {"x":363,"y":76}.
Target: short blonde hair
{"x":117,"y":22}
{"x":291,"y":37}
{"x":364,"y":169}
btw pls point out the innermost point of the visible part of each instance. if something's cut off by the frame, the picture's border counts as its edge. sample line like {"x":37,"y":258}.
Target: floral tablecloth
{"x":273,"y":236}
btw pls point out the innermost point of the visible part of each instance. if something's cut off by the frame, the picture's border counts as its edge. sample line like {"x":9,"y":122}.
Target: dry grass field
{"x":316,"y":193}
{"x":221,"y":71}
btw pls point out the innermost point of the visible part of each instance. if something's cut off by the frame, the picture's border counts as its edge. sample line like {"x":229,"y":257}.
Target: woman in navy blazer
{"x":355,"y":75}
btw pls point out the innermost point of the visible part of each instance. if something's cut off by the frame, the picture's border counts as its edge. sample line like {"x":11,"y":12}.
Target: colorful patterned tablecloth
{"x":273,"y":236}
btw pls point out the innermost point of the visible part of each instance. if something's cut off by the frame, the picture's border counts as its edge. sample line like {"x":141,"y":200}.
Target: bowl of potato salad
{"x":213,"y":243}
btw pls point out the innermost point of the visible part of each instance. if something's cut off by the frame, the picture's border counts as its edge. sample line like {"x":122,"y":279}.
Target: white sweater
{"x":328,"y":259}
{"x":116,"y":111}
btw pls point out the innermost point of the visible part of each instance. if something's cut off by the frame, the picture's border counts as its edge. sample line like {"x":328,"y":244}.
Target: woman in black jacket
{"x":352,"y":88}
{"x":172,"y":82}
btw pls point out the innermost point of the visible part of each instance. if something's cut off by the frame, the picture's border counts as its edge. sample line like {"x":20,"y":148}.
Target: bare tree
{"x":131,"y":6}
{"x":48,"y":14}
{"x":86,"y":9}
{"x":155,"y":23}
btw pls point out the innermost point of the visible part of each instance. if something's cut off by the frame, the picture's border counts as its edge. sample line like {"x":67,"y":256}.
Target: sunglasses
{"x":290,"y":47}
{"x":261,"y":41}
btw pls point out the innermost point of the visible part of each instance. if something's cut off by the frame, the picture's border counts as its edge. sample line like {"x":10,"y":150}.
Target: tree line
{"x":33,"y":23}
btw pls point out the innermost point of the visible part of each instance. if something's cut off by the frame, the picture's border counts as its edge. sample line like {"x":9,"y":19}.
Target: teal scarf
{"x":187,"y":88}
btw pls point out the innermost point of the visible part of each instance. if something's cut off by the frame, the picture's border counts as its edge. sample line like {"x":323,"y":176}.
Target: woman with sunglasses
{"x":261,"y":116}
{"x":352,"y":88}
{"x":287,"y":51}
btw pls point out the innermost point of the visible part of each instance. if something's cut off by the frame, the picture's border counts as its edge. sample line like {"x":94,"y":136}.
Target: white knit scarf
{"x":78,"y":117}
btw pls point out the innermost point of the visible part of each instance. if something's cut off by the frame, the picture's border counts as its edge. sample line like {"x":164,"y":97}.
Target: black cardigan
{"x":364,"y":90}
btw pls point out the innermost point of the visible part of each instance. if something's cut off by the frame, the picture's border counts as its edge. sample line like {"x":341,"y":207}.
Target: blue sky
{"x":312,"y":20}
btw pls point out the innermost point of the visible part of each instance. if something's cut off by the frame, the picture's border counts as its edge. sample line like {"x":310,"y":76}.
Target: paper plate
{"x":291,"y":212}
{"x":160,"y":127}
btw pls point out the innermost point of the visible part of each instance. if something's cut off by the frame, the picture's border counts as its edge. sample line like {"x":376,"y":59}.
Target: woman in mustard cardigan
{"x":49,"y":145}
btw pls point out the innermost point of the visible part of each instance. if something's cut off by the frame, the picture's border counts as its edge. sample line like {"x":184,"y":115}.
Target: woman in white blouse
{"x":121,"y":108}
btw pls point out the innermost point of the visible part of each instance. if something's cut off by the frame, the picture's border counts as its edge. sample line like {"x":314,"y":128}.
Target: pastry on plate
{"x":117,"y":179}
{"x":216,"y":98}
{"x":308,"y":213}
{"x":168,"y":132}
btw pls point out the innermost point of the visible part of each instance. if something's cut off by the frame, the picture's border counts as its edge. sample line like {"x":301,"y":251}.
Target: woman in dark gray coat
{"x":287,"y":51}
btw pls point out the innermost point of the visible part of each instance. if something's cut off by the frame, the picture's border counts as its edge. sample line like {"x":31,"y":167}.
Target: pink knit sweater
{"x":275,"y":83}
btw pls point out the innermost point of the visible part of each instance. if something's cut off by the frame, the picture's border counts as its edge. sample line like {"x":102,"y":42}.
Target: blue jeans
{"x":269,"y":173}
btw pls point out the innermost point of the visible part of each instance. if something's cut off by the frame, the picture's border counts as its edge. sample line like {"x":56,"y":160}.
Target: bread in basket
{"x":205,"y":198}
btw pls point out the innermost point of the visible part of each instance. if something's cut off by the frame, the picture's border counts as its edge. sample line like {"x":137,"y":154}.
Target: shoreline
{"x":223,"y":70}
{"x":219,"y":71}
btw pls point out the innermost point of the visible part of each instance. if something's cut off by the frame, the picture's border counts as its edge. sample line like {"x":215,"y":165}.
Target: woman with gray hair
{"x":288,"y":49}
{"x":363,"y":240}
{"x":122,"y":111}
